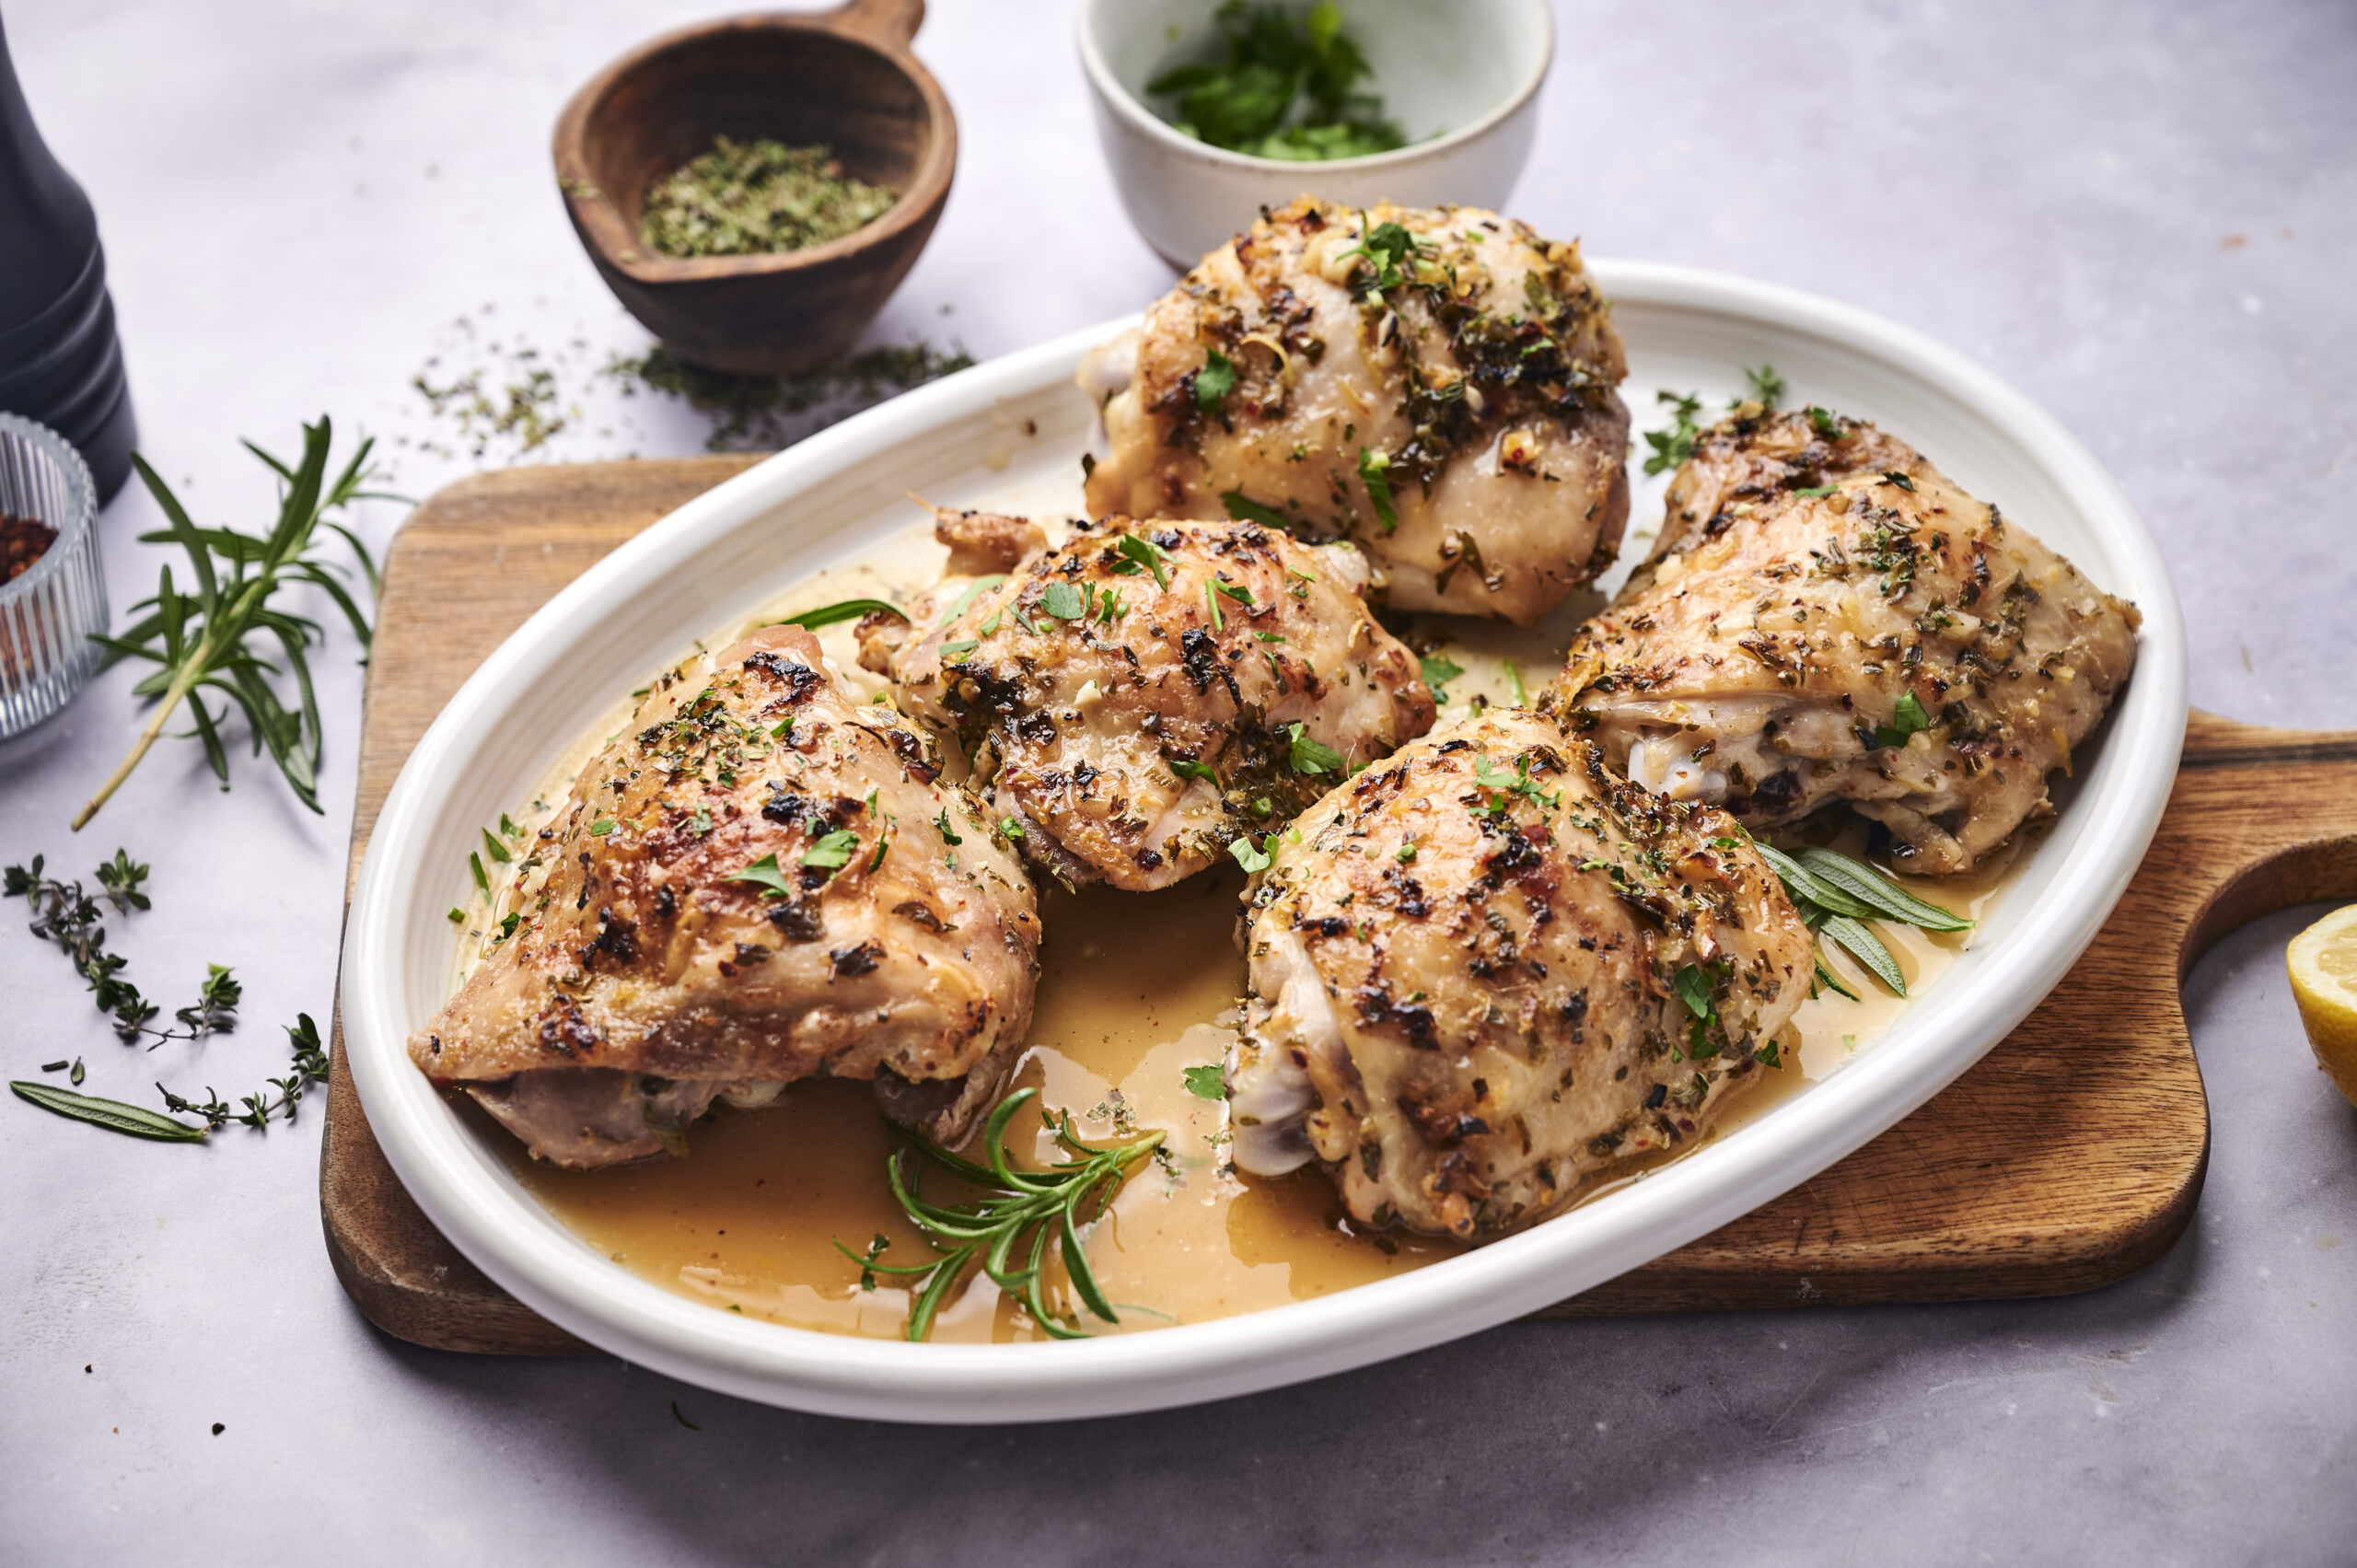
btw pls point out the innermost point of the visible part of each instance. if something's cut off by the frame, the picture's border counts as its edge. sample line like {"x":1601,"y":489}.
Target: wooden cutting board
{"x":2070,"y":1158}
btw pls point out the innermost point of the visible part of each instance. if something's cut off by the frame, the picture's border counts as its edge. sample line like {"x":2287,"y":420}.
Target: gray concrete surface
{"x":2141,"y":214}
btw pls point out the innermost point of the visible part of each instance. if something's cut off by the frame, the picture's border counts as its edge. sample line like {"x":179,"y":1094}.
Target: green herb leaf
{"x":1816,"y":491}
{"x":1866,"y":947}
{"x":482,"y":883}
{"x":974,"y":589}
{"x":1694,"y":988}
{"x":1907,"y":718}
{"x":1245,"y":509}
{"x":951,"y":650}
{"x":1064,"y":601}
{"x":1187,"y":770}
{"x":765,"y":873}
{"x":831,"y":852}
{"x":602,"y":826}
{"x":494,"y":849}
{"x":1374,"y":470}
{"x":1438,"y":670}
{"x":112,"y":1114}
{"x":1881,"y":895}
{"x":1892,"y":476}
{"x":1823,"y":422}
{"x":1248,"y":857}
{"x":1310,"y":756}
{"x":843,"y":609}
{"x":229,"y":639}
{"x":1207,"y":1083}
{"x":1141,"y":554}
{"x":948,"y":833}
{"x":1766,"y":386}
{"x":1671,"y":448}
{"x":1011,"y":827}
{"x":1214,"y":381}
{"x":1037,"y":1207}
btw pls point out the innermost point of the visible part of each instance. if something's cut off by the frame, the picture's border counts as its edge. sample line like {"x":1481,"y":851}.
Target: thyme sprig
{"x":310,"y":1066}
{"x":1022,"y":1210}
{"x":1836,"y":895}
{"x":65,"y":913}
{"x":222,"y":640}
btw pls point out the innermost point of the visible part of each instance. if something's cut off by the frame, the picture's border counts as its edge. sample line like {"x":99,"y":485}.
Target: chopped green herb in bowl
{"x":1283,"y":88}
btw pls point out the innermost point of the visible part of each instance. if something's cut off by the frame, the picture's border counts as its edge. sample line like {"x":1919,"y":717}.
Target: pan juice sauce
{"x":1134,"y":989}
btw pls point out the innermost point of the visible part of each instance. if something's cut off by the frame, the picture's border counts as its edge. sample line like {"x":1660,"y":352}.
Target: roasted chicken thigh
{"x":1435,"y":383}
{"x":1490,"y":965}
{"x":1827,"y":617}
{"x":1136,"y":698}
{"x":762,"y":879}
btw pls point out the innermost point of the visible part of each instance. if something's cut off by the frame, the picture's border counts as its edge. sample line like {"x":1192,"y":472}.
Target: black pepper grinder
{"x":60,"y":362}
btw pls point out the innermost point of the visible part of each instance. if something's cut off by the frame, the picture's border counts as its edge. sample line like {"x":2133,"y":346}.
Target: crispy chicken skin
{"x":1480,"y":368}
{"x":1131,"y":698}
{"x":647,"y":977}
{"x":1819,"y":590}
{"x":1465,"y":979}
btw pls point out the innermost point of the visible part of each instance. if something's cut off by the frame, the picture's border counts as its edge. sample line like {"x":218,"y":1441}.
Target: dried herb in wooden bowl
{"x":758,"y":198}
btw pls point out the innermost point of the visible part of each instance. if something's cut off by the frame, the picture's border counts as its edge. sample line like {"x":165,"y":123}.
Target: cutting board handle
{"x":2263,"y":819}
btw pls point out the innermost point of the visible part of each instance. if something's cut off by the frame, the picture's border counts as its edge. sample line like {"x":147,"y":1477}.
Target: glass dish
{"x":48,"y":614}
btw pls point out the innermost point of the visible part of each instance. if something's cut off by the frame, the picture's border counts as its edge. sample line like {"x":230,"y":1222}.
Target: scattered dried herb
{"x":760,"y":413}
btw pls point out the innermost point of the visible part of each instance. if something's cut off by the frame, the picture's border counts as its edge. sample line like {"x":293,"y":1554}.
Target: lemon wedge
{"x":2323,"y":961}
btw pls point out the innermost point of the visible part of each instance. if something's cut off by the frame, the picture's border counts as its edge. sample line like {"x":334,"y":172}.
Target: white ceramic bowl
{"x":1007,"y":436}
{"x":1469,"y":69}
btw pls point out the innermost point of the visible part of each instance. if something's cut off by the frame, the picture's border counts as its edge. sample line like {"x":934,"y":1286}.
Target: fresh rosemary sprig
{"x":1038,"y":1205}
{"x":223,"y":638}
{"x":1836,"y":894}
{"x":65,"y":914}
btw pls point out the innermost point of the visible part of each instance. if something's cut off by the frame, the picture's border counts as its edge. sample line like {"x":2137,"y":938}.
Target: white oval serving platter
{"x":1008,"y":434}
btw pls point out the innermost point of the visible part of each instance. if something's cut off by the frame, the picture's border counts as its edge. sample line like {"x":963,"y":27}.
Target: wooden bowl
{"x":844,"y":77}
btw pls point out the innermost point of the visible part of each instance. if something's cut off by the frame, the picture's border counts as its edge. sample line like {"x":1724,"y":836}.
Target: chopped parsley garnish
{"x":1513,"y":684}
{"x":829,"y":852}
{"x":1766,"y":385}
{"x":1674,"y":446}
{"x":1823,"y":422}
{"x":1249,"y":857}
{"x":1892,"y":476}
{"x":1141,"y":555}
{"x":1214,"y":381}
{"x":494,"y":849}
{"x":1011,"y":827}
{"x":1375,"y":469}
{"x":1815,"y":490}
{"x":1404,"y":854}
{"x":1245,"y":509}
{"x":1309,"y":756}
{"x":1907,"y":718}
{"x":1286,"y":87}
{"x":1387,"y":249}
{"x":948,"y":833}
{"x":1206,"y":1083}
{"x":1202,"y":771}
{"x":951,"y":650}
{"x":1517,"y":782}
{"x":1064,"y":601}
{"x":1437,"y":671}
{"x":482,"y":883}
{"x":766,"y":874}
